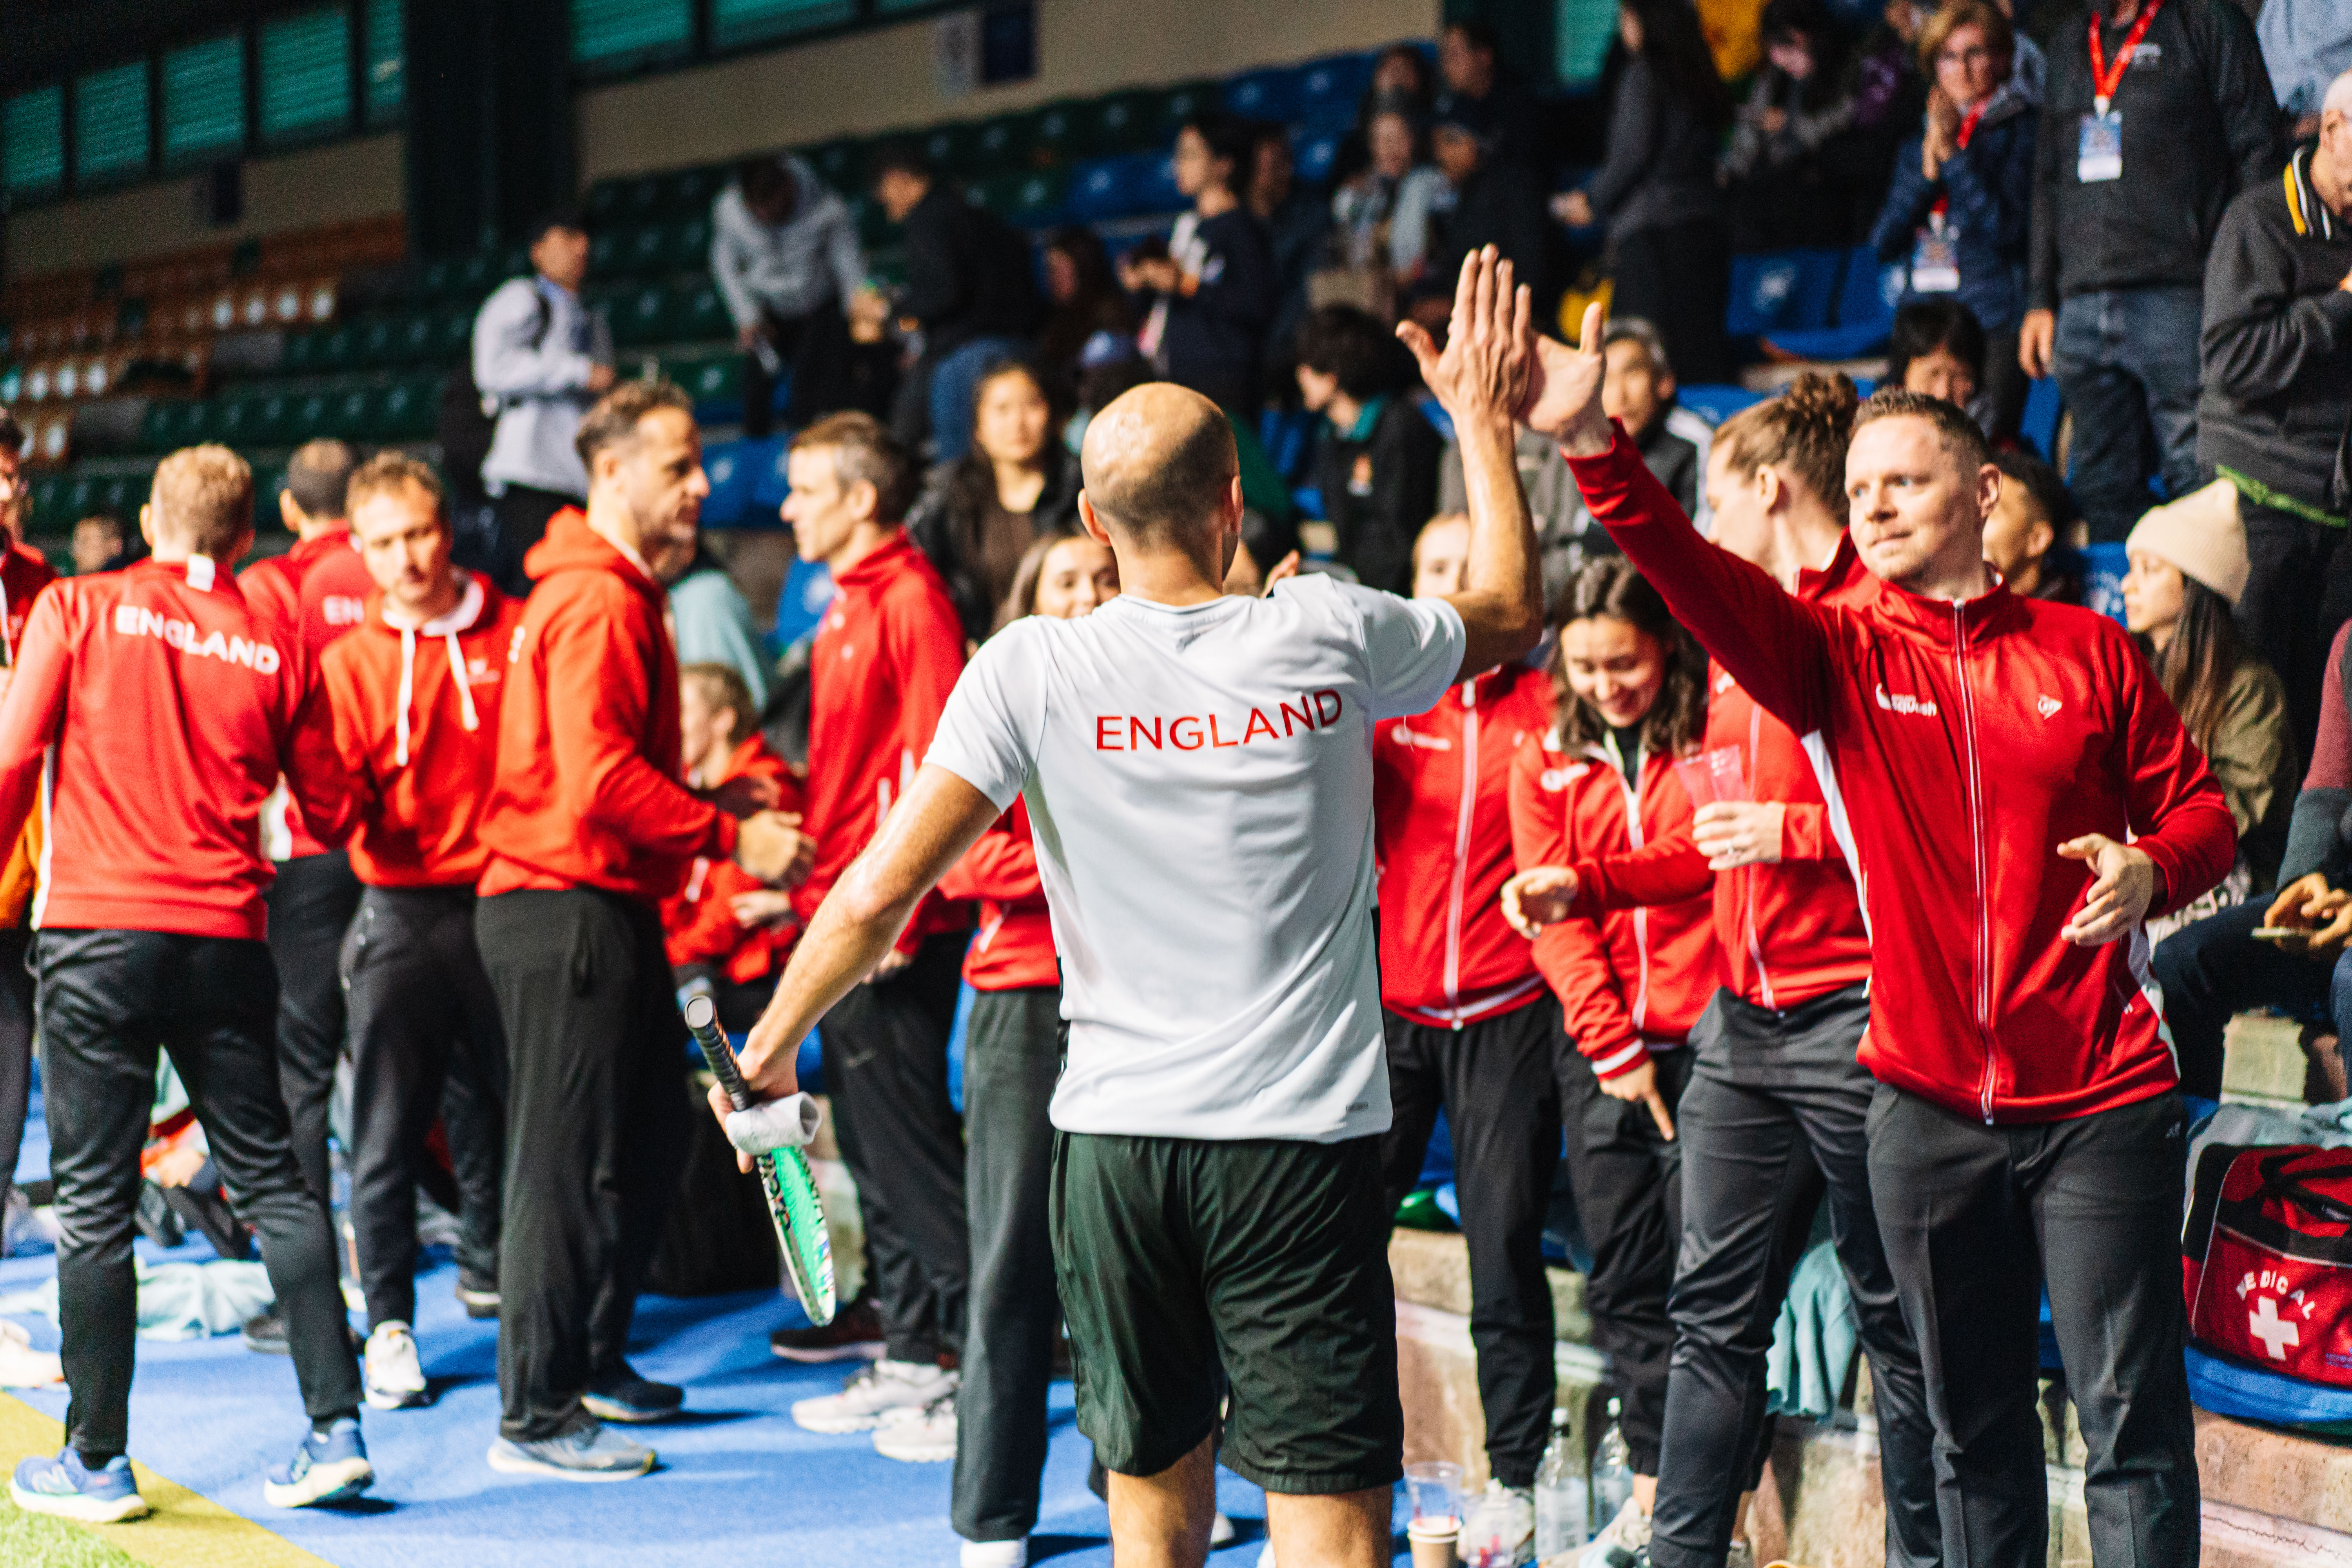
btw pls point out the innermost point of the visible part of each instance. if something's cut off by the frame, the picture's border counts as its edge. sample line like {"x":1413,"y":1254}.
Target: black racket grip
{"x":702,"y":1023}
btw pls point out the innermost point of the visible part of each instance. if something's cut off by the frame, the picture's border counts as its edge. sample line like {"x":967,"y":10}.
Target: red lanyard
{"x":1968,"y":129}
{"x":2103,"y":81}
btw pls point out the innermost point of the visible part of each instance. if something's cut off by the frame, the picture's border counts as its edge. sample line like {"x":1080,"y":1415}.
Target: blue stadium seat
{"x":1716,"y":404}
{"x":1867,"y":292}
{"x":2042,"y":406}
{"x":1312,"y":153}
{"x":1288,"y":436}
{"x":1782,"y":291}
{"x":1265,"y":94}
{"x":1329,"y":90}
{"x":732,"y":468}
{"x":1127,"y":185}
{"x":769,"y":482}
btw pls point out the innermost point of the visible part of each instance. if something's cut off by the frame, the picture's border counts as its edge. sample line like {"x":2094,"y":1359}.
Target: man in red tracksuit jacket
{"x":588,"y":828}
{"x":2022,"y":795}
{"x":884,"y":662}
{"x":24,"y":573}
{"x":414,"y":694}
{"x":314,"y":592}
{"x":149,"y":715}
{"x":1470,"y":1025}
{"x":1773,"y":1118}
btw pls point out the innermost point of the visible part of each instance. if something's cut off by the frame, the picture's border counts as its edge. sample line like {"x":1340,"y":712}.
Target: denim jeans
{"x":2215,"y":969}
{"x":955,"y":382}
{"x":2126,"y":361}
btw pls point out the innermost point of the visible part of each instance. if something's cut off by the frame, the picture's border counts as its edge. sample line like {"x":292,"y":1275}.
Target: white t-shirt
{"x":1200,"y":788}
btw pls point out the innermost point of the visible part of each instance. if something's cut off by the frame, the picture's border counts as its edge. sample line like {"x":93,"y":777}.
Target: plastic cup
{"x":1434,"y":1486}
{"x":1432,"y":1542}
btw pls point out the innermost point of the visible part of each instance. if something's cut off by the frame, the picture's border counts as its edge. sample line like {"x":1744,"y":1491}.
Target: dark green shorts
{"x":1267,"y":1258}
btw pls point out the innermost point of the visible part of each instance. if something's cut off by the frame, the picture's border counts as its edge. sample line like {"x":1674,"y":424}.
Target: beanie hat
{"x":2201,"y":534}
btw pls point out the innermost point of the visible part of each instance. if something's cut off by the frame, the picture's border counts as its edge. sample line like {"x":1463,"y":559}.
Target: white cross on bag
{"x":2275,"y":1333}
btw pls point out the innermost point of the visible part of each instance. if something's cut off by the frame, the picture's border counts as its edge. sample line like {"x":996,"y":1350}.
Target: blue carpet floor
{"x":739,"y":1483}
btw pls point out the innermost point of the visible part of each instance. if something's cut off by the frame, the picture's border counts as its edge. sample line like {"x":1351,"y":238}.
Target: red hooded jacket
{"x":419,"y":736}
{"x":1015,"y":946}
{"x":317,"y":591}
{"x":884,"y":662}
{"x":152,"y":713}
{"x":1633,"y":980}
{"x":700,"y":921}
{"x":1967,"y":741}
{"x":1787,"y":932}
{"x":587,"y":790}
{"x":1442,"y":830}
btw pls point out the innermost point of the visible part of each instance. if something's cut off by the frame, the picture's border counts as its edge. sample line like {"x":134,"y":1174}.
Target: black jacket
{"x":1378,"y":490}
{"x":2200,"y":125}
{"x":1662,"y":154}
{"x":945,"y":524}
{"x":2278,"y":339}
{"x":1213,"y":335}
{"x":1501,"y":204}
{"x":969,"y":274}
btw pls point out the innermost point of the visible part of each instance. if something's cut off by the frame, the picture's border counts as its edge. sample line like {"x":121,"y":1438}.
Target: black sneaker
{"x":855,"y":1333}
{"x":265,"y":1333}
{"x":623,"y":1396}
{"x":479,"y":1292}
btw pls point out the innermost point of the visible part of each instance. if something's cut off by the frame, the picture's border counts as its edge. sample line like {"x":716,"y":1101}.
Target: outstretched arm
{"x":927,"y":833}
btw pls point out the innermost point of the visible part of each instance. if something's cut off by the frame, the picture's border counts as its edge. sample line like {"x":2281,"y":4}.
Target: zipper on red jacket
{"x":1747,"y":875}
{"x":1975,"y":785}
{"x":1462,"y":846}
{"x":1632,"y":788}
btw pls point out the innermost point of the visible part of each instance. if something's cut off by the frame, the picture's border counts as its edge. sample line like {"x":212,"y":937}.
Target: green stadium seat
{"x":131,"y":318}
{"x":604,"y":204}
{"x":79,"y":496}
{"x":699,"y":314}
{"x":238,"y":421}
{"x":199,"y":422}
{"x":46,"y":505}
{"x":478,"y":274}
{"x":12,"y":383}
{"x":272,"y":422}
{"x":710,"y":377}
{"x":379,"y":341}
{"x":411,"y":408}
{"x":645,"y":251}
{"x":641,"y":199}
{"x":641,"y":315}
{"x":339,"y":350}
{"x":453,"y":333}
{"x":953,"y":149}
{"x":1177,"y":104}
{"x":353,"y":411}
{"x":267,"y":483}
{"x":1030,"y":200}
{"x":607,"y":250}
{"x":1057,"y":133}
{"x":302,"y":350}
{"x":689,"y":192}
{"x":874,"y":225}
{"x":840,"y":164}
{"x":156,"y":424}
{"x":1002,"y":144}
{"x":420,"y":337}
{"x":124,"y":493}
{"x":689,"y":243}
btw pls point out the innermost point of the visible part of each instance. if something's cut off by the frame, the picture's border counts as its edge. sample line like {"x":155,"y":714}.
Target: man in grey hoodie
{"x":784,"y":255}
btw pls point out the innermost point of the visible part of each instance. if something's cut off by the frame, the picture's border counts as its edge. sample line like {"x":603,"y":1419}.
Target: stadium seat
{"x":603,"y":206}
{"x":1265,"y":94}
{"x":732,"y":468}
{"x":1002,"y":145}
{"x":840,"y":164}
{"x":1119,"y":123}
{"x":1127,"y":186}
{"x":689,"y":192}
{"x":409,"y":410}
{"x":156,"y":424}
{"x":1716,"y":404}
{"x":419,"y":337}
{"x":338,"y":350}
{"x":47,"y":507}
{"x":1031,"y":200}
{"x":1057,"y":132}
{"x":953,"y":149}
{"x":380,"y":342}
{"x":272,"y":419}
{"x":356,"y":412}
{"x":641,"y":315}
{"x":301,"y":350}
{"x":1329,"y":89}
{"x":198,"y":422}
{"x":1867,"y":292}
{"x":1175,"y":105}
{"x":122,"y":493}
{"x":698,"y":314}
{"x":1782,"y":291}
{"x":689,"y":242}
{"x":1313,"y":151}
{"x":874,"y":225}
{"x":2042,"y":407}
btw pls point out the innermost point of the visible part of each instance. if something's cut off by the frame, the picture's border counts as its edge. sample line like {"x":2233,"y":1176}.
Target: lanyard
{"x":1968,"y":129}
{"x":2103,"y":81}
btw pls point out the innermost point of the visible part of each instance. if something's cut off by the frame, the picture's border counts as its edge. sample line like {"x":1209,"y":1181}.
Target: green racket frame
{"x":792,"y":1202}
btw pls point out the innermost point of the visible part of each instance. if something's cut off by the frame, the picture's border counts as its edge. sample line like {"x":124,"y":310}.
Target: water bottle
{"x":1559,"y":1494}
{"x":1612,"y":1475}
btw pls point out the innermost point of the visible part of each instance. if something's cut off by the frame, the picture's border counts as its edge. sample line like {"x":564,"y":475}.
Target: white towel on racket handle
{"x":787,"y":1123}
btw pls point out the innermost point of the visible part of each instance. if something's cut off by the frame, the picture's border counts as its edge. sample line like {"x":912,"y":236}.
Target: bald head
{"x":1159,"y":463}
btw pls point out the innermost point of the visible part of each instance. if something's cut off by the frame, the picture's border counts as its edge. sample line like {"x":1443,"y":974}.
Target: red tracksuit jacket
{"x":1786,"y":933}
{"x":24,"y":573}
{"x":699,"y":922}
{"x":317,"y":591}
{"x":1015,"y":946}
{"x":1967,"y":741}
{"x":879,"y":673}
{"x":153,"y":713}
{"x":1630,"y":979}
{"x":587,"y":792}
{"x":1442,"y":830}
{"x":419,"y":736}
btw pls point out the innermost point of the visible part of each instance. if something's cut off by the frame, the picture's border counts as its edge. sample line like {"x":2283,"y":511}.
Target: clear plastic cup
{"x":1434,"y":1486}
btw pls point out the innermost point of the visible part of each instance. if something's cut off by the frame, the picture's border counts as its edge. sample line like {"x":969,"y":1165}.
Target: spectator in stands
{"x":2306,"y":45}
{"x":1669,"y":244}
{"x":784,"y":255}
{"x":1213,"y":292}
{"x":1632,"y":699}
{"x":1469,"y":65}
{"x":1376,"y":457}
{"x":415,"y":693}
{"x":1297,"y":217}
{"x":727,"y":931}
{"x":2145,"y":150}
{"x":2189,"y":568}
{"x":995,"y":1428}
{"x":1639,"y":395}
{"x":2025,"y":527}
{"x":1495,"y":201}
{"x":889,"y":651}
{"x":1962,"y":195}
{"x":2278,"y":397}
{"x":711,"y":621}
{"x":979,"y":515}
{"x":1084,"y":302}
{"x":1383,"y":212}
{"x":970,"y":290}
{"x":588,"y":829}
{"x":543,"y":358}
{"x":100,"y":543}
{"x":1936,"y":347}
{"x":1789,"y":164}
{"x":1401,"y":80}
{"x":2218,"y":968}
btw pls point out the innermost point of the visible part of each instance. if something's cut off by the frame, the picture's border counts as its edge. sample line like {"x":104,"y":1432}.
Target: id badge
{"x":2100,"y":155}
{"x":1935,"y":261}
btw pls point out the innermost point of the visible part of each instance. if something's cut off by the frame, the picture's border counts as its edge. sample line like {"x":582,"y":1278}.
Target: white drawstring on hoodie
{"x":446,"y":628}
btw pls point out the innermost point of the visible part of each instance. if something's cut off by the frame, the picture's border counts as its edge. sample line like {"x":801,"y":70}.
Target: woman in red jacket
{"x":1630,"y":984}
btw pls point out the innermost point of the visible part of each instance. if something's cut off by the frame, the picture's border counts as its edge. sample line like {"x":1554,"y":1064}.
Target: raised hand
{"x":1489,"y":356}
{"x":1564,"y":394}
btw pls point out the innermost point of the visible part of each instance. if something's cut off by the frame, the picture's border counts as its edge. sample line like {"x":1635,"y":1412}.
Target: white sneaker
{"x":1012,"y":1554}
{"x":1498,"y":1528}
{"x":1221,"y":1532}
{"x":924,"y":1437}
{"x":1623,"y":1540}
{"x":873,"y":1394}
{"x":395,"y":1379}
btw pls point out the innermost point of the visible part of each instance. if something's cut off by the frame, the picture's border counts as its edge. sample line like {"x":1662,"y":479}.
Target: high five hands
{"x":1488,"y":363}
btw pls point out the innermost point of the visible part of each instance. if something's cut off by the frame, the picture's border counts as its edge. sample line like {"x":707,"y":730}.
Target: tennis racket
{"x":793,"y":1203}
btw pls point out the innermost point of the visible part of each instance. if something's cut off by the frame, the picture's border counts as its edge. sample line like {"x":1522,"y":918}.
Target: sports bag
{"x":2267,"y":1259}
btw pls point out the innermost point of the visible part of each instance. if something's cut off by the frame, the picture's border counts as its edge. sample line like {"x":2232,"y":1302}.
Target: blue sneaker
{"x":590,"y":1452}
{"x":65,"y":1486}
{"x":328,"y":1467}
